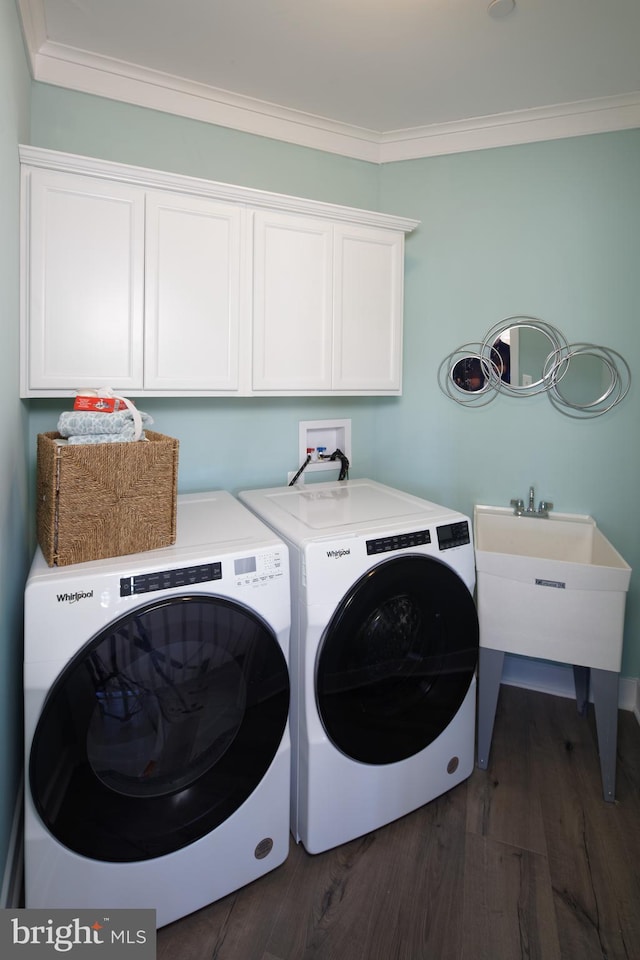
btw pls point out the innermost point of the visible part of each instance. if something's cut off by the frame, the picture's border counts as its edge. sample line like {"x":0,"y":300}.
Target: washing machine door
{"x":159,"y":729}
{"x":397,"y":659}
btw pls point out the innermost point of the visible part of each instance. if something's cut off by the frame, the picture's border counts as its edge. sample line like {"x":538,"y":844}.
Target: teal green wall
{"x":91,"y":126}
{"x":547,"y":229}
{"x":15,"y":88}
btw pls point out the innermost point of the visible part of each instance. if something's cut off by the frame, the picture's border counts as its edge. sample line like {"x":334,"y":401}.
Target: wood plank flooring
{"x":523,"y":860}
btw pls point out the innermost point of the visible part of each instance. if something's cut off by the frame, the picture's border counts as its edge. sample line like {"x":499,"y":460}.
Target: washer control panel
{"x":170,"y":579}
{"x":398,"y":541}
{"x":256,"y":570}
{"x":453,"y":535}
{"x":252,"y":570}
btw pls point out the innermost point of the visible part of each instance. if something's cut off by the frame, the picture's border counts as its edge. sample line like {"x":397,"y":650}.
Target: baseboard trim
{"x":557,"y":679}
{"x":11,"y":895}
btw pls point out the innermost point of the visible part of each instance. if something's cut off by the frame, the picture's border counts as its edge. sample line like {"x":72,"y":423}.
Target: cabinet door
{"x":192,"y":306}
{"x":84,"y":293}
{"x":368,"y":303}
{"x":291,"y":303}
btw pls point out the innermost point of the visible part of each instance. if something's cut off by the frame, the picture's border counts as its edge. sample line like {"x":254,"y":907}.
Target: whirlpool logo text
{"x":336,"y":554}
{"x":74,"y":597}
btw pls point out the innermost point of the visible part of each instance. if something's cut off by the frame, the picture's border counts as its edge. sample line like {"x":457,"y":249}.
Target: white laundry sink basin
{"x":553,"y":588}
{"x":516,"y":546}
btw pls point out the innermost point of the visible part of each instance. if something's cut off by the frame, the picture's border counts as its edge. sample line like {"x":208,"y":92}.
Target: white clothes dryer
{"x":384,"y":648}
{"x":156,"y":718}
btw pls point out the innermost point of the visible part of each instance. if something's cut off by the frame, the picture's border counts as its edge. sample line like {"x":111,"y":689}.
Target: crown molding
{"x":34,"y":28}
{"x":556,"y":122}
{"x":64,"y":66}
{"x":74,"y":69}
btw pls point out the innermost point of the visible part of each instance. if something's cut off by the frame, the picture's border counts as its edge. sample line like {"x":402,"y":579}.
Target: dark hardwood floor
{"x":523,"y":860}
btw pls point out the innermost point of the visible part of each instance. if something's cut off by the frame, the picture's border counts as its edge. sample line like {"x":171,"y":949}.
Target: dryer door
{"x":397,"y":659}
{"x":159,"y":729}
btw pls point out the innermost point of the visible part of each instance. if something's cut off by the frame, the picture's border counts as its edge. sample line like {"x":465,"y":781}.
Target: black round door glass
{"x":397,"y":659}
{"x":159,"y":729}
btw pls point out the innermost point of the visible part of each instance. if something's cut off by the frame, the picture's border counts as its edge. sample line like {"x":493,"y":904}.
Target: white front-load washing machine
{"x":156,"y":718}
{"x":384,"y":648}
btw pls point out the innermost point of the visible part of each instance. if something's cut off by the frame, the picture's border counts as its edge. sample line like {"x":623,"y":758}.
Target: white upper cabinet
{"x":292,"y":303}
{"x":368,"y":297}
{"x":158,"y":284}
{"x":327,"y":306}
{"x":192,"y":293}
{"x":83,"y":293}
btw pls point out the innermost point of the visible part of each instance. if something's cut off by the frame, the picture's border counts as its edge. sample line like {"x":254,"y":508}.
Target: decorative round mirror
{"x":587,"y":381}
{"x":527,"y":347}
{"x":523,"y":356}
{"x":467,"y":377}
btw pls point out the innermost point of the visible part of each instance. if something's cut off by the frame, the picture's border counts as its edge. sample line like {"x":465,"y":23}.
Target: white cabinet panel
{"x":291,"y":303}
{"x":327,"y":306}
{"x":368,"y":284}
{"x":159,"y":284}
{"x":84,"y":290}
{"x":192,"y":309}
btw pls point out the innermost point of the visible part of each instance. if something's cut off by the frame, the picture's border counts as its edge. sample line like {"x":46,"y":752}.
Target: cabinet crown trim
{"x":196,"y":186}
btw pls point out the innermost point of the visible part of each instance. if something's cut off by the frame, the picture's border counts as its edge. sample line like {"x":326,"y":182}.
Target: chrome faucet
{"x":530,"y":511}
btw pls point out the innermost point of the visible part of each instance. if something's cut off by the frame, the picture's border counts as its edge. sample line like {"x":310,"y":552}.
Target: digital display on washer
{"x":399,"y":541}
{"x":453,"y":535}
{"x":244,"y":565}
{"x":167,"y":579}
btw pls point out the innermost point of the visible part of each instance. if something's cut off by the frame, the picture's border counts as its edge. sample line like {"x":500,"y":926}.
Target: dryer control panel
{"x":453,"y":535}
{"x":399,"y":541}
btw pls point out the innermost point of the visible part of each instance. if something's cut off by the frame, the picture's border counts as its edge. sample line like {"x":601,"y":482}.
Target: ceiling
{"x":379,"y":80}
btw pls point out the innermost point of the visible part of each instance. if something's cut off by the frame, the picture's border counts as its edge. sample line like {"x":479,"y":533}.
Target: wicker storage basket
{"x":105,"y":499}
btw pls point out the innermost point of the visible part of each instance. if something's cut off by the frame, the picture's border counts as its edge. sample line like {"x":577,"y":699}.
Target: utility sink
{"x":551,"y":587}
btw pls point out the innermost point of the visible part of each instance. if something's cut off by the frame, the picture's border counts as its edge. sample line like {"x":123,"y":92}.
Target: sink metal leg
{"x":604,"y":686}
{"x":490,"y":665}
{"x":581,"y":680}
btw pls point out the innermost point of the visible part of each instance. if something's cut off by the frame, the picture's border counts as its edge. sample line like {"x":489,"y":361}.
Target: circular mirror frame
{"x":557,"y":345}
{"x":615,"y":391}
{"x":449,"y":384}
{"x":555,"y":369}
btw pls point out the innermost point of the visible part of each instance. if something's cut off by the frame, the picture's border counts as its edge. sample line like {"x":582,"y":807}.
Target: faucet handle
{"x":545,"y":506}
{"x":518,"y":505}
